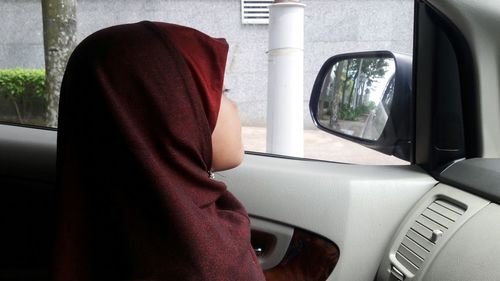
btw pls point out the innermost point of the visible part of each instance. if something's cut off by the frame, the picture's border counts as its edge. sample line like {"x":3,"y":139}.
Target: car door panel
{"x":270,"y":241}
{"x":308,"y":257}
{"x":27,"y":174}
{"x":437,"y":218}
{"x":28,"y":153}
{"x":357,"y":207}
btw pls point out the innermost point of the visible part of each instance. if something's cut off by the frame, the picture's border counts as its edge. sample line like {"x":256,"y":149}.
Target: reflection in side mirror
{"x":356,"y":96}
{"x":367,"y":98}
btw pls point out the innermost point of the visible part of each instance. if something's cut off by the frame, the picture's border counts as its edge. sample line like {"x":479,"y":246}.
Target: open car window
{"x":329,"y":30}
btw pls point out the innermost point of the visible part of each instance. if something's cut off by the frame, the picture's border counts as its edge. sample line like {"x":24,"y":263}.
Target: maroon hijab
{"x":138,"y":105}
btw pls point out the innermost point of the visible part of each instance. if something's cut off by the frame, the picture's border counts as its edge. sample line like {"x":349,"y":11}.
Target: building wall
{"x":331,"y":27}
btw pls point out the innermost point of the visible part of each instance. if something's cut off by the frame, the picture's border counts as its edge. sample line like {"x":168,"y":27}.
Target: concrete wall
{"x":331,"y":27}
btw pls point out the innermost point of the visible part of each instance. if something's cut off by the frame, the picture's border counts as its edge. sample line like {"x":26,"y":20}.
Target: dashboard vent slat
{"x":437,"y":218}
{"x":410,"y":256}
{"x":420,"y":239}
{"x":450,"y":206}
{"x":416,"y":248}
{"x":430,"y":224}
{"x":406,"y":263}
{"x":447,"y":213}
{"x":422,"y":230}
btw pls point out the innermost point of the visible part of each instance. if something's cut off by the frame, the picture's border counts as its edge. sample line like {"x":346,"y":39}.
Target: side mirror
{"x":366,"y":98}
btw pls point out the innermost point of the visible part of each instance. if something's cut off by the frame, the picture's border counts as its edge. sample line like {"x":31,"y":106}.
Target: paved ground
{"x":321,"y":145}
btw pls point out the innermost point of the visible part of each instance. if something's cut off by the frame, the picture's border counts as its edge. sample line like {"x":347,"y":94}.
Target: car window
{"x":331,"y":28}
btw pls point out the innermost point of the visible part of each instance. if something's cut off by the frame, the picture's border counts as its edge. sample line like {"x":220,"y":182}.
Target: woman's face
{"x":227,"y":146}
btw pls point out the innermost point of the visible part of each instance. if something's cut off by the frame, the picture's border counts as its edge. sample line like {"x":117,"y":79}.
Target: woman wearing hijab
{"x":142,"y":125}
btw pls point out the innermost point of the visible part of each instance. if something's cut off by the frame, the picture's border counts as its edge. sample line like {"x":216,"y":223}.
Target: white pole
{"x":285,"y":97}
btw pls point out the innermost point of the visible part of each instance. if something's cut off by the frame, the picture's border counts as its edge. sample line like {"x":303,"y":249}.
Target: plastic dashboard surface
{"x":450,"y":234}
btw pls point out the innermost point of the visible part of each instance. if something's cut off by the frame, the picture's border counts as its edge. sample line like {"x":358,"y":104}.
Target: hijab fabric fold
{"x":137,"y":108}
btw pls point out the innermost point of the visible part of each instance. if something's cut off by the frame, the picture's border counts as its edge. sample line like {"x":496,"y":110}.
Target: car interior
{"x":435,"y":219}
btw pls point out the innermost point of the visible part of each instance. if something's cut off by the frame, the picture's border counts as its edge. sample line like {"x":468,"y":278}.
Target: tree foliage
{"x":359,"y":73}
{"x":17,"y":82}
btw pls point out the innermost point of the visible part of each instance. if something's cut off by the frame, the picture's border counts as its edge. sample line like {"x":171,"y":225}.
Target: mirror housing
{"x":367,"y":98}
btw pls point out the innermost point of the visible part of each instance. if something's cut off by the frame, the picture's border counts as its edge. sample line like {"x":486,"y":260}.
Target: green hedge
{"x":23,"y":96}
{"x":17,"y":82}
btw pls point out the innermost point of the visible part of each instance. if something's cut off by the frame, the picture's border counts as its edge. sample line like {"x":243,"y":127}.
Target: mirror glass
{"x":356,"y":96}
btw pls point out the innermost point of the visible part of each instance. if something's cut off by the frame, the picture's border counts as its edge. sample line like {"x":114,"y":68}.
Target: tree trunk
{"x":346,"y":80}
{"x":337,"y":95}
{"x":59,"y":38}
{"x":355,"y":84}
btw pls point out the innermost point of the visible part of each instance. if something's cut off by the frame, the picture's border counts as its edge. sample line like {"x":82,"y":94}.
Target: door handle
{"x":270,"y":241}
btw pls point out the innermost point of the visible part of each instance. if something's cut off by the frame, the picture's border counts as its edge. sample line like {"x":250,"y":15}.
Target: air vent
{"x":255,"y":11}
{"x":420,"y":240}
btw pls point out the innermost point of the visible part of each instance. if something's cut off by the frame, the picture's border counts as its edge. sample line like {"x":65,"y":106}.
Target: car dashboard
{"x":451,"y":233}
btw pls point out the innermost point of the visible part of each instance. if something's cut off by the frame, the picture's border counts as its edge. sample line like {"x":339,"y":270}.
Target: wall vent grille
{"x":425,"y":232}
{"x":255,"y":11}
